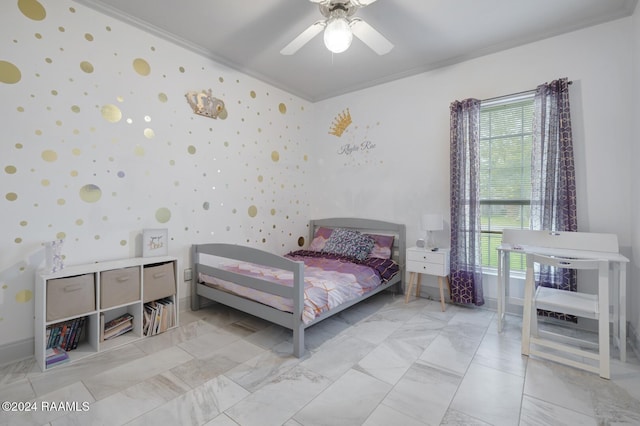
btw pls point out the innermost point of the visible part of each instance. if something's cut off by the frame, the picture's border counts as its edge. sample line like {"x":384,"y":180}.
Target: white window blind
{"x":506,"y":133}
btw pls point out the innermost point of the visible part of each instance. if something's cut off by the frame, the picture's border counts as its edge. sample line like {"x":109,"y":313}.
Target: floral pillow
{"x":346,"y":242}
{"x":320,"y":239}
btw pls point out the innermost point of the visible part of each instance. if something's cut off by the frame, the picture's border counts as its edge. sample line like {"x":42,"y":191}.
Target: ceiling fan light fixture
{"x":338,"y":35}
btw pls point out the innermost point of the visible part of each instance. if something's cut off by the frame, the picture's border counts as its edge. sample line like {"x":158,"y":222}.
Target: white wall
{"x":408,"y":120}
{"x":634,"y":290}
{"x":159,"y":166}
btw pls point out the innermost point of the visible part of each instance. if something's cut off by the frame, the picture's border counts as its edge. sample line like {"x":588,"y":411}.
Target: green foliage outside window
{"x":506,"y":133}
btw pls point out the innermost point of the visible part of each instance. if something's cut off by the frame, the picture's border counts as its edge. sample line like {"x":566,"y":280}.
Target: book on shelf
{"x":159,"y":316}
{"x":127,"y":317}
{"x":65,"y":335}
{"x":55,"y":356}
{"x":117,"y":326}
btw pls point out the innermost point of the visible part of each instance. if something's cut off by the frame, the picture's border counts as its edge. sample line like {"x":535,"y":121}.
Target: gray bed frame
{"x":292,"y":321}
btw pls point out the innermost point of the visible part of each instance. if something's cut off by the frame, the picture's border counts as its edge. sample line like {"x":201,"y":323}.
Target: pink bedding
{"x":329,"y":281}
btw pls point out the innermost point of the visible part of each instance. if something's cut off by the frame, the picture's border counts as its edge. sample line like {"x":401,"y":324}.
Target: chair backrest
{"x":563,"y":262}
{"x":562,"y":240}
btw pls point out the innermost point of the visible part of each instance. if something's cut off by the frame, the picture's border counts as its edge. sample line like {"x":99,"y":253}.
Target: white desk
{"x":563,"y":245}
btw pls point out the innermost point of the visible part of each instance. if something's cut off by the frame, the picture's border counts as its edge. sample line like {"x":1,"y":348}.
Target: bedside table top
{"x":420,"y":249}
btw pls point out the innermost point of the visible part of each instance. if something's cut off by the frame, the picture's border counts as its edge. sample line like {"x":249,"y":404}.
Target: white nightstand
{"x":425,"y":261}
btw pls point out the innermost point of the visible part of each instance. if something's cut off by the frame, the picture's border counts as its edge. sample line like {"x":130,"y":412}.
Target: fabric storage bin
{"x":119,"y":286}
{"x":71,"y":296}
{"x":158,"y":281}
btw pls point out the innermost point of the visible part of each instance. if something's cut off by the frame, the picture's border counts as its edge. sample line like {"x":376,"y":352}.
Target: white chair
{"x":594,"y":306}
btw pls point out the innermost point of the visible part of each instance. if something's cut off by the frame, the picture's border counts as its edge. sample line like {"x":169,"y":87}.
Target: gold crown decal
{"x":203,"y":103}
{"x":340,"y":123}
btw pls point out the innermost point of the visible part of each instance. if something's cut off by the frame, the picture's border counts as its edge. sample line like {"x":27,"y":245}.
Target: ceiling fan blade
{"x":304,"y":37}
{"x":361,"y":3}
{"x":369,"y":36}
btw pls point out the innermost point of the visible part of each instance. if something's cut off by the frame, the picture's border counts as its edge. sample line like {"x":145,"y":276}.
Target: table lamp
{"x":431,"y":222}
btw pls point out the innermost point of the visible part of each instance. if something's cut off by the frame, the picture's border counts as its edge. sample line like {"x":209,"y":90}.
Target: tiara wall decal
{"x":340,"y":123}
{"x":203,"y":103}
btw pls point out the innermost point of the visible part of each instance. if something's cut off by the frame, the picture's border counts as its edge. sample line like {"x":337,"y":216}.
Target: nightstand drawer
{"x":427,"y":268}
{"x":426,"y":256}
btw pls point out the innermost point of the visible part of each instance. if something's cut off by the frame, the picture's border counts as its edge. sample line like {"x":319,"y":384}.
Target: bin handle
{"x":123,"y":279}
{"x":73,"y":287}
{"x":159,"y":274}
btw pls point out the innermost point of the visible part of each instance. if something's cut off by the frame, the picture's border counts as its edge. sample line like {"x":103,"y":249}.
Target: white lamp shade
{"x":338,"y":35}
{"x":432,"y":222}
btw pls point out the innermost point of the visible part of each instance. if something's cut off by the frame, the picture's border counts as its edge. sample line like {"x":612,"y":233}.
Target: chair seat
{"x":569,"y":302}
{"x":546,"y":345}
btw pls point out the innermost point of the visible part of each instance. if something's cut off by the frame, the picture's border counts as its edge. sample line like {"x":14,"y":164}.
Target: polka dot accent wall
{"x":99,"y":143}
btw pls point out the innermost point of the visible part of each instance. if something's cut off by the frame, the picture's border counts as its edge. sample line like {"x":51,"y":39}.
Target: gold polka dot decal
{"x":149,"y":133}
{"x":163,"y":215}
{"x":88,"y":37}
{"x":111,"y":113}
{"x":300,"y":241}
{"x":24,"y":296}
{"x":162,"y":97}
{"x":11,"y":196}
{"x":10,"y":170}
{"x":32,"y":9}
{"x":283,"y":108}
{"x":191,"y":149}
{"x":9,"y":73}
{"x":49,"y":156}
{"x":253,"y":211}
{"x":275,"y":156}
{"x":90,"y":193}
{"x":86,"y":67}
{"x":142,"y":67}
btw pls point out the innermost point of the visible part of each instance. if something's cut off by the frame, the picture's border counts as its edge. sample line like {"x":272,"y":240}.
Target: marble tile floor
{"x":381,"y":362}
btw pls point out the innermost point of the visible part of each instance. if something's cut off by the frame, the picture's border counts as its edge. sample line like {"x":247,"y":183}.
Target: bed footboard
{"x":206,"y":259}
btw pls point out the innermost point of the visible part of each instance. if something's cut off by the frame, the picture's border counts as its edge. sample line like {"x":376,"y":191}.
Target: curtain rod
{"x":513,"y":95}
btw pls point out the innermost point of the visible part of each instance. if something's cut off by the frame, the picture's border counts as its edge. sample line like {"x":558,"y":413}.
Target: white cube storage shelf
{"x":100,"y":292}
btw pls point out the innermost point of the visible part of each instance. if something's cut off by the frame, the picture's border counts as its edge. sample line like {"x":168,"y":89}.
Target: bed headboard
{"x":368,"y":226}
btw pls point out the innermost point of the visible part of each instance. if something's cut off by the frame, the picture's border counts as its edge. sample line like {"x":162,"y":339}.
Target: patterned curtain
{"x":553,"y":180}
{"x":466,"y":258}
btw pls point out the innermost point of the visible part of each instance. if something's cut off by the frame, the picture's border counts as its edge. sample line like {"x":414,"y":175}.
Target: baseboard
{"x":16,"y":351}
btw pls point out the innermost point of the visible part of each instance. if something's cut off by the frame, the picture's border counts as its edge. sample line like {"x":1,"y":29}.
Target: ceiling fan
{"x":339,"y":28}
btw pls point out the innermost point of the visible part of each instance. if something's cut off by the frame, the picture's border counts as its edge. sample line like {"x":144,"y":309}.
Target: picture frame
{"x":155,"y":242}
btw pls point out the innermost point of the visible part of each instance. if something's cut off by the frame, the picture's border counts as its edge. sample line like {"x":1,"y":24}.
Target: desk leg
{"x":622,"y":302}
{"x":603,"y":325}
{"x":441,"y":293}
{"x":500,"y":287}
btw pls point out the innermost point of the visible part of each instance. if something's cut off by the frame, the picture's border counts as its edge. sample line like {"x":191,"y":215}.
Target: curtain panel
{"x":466,"y":257}
{"x":553,"y":181}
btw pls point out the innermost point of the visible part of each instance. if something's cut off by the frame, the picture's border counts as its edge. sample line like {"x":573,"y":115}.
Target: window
{"x":506,"y":134}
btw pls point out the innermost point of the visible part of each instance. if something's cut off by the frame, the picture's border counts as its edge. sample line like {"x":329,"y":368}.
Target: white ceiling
{"x":248,"y":35}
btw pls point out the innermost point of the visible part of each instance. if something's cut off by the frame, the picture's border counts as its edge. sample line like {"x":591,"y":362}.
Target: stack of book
{"x":55,"y":356}
{"x":159,"y":316}
{"x":117,"y":326}
{"x":65,"y":335}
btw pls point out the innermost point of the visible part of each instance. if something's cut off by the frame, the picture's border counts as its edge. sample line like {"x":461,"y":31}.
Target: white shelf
{"x":89,"y":283}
